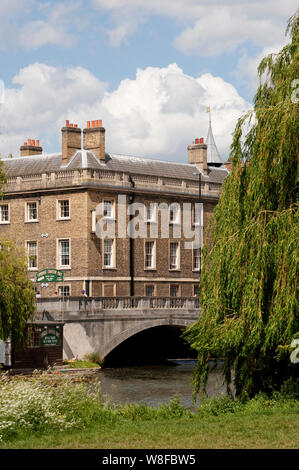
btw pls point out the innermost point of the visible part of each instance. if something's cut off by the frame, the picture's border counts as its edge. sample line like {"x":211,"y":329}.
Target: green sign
{"x":49,"y":275}
{"x":50,"y":336}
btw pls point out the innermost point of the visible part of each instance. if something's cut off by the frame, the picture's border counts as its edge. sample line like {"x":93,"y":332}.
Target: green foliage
{"x":80,"y":364}
{"x":17,"y":296}
{"x":141,"y":411}
{"x":248,"y":290}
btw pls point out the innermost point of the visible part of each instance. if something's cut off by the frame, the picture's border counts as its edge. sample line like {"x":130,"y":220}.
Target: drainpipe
{"x":132,"y":199}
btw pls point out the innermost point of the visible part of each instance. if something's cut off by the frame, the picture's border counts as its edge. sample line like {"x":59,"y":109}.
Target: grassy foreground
{"x":47,"y":412}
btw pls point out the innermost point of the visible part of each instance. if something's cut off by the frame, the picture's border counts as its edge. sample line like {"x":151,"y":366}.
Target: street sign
{"x":49,"y":275}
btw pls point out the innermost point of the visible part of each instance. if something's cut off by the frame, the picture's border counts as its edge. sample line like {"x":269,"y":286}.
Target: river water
{"x":156,"y":384}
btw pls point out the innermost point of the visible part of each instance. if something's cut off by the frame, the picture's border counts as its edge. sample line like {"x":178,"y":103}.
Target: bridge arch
{"x":142,"y":326}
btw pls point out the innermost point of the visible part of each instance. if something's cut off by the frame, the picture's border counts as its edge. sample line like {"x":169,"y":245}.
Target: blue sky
{"x":147,"y":69}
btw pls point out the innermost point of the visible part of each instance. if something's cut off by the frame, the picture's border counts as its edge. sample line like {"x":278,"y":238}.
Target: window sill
{"x":4,"y":223}
{"x":174,"y":270}
{"x":109,"y":268}
{"x":31,"y":221}
{"x":150,"y":269}
{"x":63,"y":218}
{"x":65,"y":268}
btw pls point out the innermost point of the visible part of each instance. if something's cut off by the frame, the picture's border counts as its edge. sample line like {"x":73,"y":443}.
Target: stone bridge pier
{"x":101,"y":324}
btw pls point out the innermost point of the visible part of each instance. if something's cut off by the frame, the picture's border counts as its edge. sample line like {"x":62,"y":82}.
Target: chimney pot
{"x":196,"y":141}
{"x":37,"y":143}
{"x":33,"y":143}
{"x":100,"y":122}
{"x":67,"y":123}
{"x":88,"y":124}
{"x":201,"y":141}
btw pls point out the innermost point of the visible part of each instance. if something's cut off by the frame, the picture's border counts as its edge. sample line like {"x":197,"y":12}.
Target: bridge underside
{"x":127,"y":342}
{"x":150,"y":346}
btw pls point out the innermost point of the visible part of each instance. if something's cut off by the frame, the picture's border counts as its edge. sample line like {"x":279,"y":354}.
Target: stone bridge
{"x":100,"y":324}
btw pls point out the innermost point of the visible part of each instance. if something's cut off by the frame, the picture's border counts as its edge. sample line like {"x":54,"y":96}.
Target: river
{"x":156,"y":384}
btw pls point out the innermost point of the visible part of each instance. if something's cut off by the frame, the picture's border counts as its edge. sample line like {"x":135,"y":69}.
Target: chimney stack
{"x":94,"y":138}
{"x":197,"y":153}
{"x":71,"y":141}
{"x":31,"y":147}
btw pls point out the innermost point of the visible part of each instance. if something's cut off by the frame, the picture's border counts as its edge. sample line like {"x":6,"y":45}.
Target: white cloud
{"x":55,"y":24}
{"x":156,"y":114}
{"x":41,"y":100}
{"x":211,"y":27}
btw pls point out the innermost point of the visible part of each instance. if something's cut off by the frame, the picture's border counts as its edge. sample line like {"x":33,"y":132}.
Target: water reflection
{"x":156,"y":384}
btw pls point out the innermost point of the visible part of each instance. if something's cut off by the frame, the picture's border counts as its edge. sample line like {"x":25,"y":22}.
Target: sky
{"x":148,"y":69}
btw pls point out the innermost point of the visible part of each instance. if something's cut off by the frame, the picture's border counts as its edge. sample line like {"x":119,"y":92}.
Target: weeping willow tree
{"x":249,"y":312}
{"x":17,"y":295}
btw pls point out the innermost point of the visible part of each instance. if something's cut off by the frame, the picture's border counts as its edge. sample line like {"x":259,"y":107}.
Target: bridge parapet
{"x":81,"y":307}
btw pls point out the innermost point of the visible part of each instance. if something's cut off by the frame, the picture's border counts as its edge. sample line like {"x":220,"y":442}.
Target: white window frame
{"x":59,"y":254}
{"x":32,"y":268}
{"x":153,"y":255}
{"x":193,"y":259}
{"x":59,"y":216}
{"x":177,"y":267}
{"x":28,"y":211}
{"x":63,"y":286}
{"x":112,"y":265}
{"x":112,"y":214}
{"x":3,"y":222}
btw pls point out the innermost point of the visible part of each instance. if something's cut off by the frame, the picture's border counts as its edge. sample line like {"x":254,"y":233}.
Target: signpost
{"x":51,"y":275}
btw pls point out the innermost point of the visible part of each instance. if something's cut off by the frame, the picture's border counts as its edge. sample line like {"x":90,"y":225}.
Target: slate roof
{"x":46,"y":163}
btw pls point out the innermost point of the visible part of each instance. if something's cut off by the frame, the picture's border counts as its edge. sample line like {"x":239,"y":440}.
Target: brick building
{"x":50,"y":208}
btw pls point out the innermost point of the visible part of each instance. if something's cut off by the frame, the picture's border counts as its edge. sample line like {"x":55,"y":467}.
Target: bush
{"x":46,"y":402}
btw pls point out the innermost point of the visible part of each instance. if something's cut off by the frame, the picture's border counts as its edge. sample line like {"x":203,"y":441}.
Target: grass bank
{"x":50,"y":412}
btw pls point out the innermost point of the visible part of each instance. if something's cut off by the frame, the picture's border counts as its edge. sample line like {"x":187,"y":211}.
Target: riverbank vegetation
{"x":52,"y":411}
{"x":248,"y":285}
